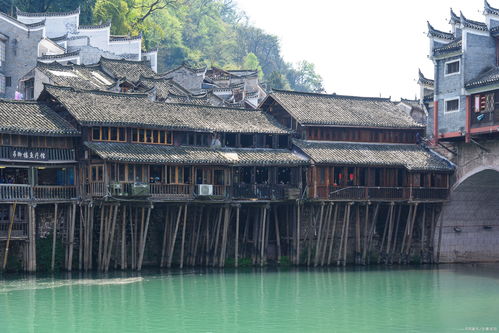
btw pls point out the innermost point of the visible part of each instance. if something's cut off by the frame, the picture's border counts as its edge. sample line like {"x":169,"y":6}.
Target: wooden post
{"x":345,"y":213}
{"x":183,"y":238}
{"x":101,"y":235}
{"x":371,"y":235}
{"x":423,"y":222}
{"x":277,"y":235}
{"x":346,"y":235}
{"x":144,"y":239}
{"x":411,"y":230}
{"x":71,"y":237}
{"x":357,"y":235}
{"x":385,"y":231}
{"x":366,"y":235}
{"x":174,"y":237}
{"x":319,"y":235}
{"x":440,"y":230}
{"x":236,"y":249}
{"x":262,"y":244}
{"x":12,"y":216}
{"x":327,"y":221}
{"x":298,"y":226}
{"x":333,"y":232}
{"x":32,"y":239}
{"x":223,"y":250}
{"x":54,"y":235}
{"x":217,"y":237}
{"x":123,"y":240}
{"x":390,"y":232}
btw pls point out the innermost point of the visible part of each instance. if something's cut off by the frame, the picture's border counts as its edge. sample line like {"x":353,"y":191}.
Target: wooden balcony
{"x":19,"y":230}
{"x":363,"y":193}
{"x":173,"y":191}
{"x":262,"y":191}
{"x":24,"y":192}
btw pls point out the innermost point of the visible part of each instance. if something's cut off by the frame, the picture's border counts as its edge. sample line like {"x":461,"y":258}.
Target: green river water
{"x":376,"y":299}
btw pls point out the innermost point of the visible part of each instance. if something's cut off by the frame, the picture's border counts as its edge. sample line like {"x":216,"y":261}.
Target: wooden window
{"x":178,"y":175}
{"x":152,"y":136}
{"x":97,"y":173}
{"x":452,"y":105}
{"x":114,"y":134}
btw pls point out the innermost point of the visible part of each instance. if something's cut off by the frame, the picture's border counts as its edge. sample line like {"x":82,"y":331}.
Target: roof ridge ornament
{"x":432,"y":32}
{"x":467,"y":23}
{"x":454,"y":19}
{"x":488,"y":9}
{"x":44,"y":14}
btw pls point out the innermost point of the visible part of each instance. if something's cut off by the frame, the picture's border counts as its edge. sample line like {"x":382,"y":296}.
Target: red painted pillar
{"x":468,"y":119}
{"x":435,"y":121}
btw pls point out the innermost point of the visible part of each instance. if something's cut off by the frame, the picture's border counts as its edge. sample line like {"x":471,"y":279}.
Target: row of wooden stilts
{"x":122,"y":235}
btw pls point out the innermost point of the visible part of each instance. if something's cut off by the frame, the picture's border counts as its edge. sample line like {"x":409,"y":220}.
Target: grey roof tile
{"x":336,"y":110}
{"x":76,"y":76}
{"x":127,"y":69}
{"x":32,"y":118}
{"x":412,"y":157}
{"x":98,"y":108}
{"x":487,"y":77}
{"x":156,"y":154}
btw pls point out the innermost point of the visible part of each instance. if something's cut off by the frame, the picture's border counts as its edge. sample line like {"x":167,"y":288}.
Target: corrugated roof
{"x":412,"y":157}
{"x":144,"y":153}
{"x":32,"y":118}
{"x":336,"y":110}
{"x":99,"y":108}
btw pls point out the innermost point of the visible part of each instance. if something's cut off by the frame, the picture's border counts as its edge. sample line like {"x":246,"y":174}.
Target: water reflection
{"x":292,"y":300}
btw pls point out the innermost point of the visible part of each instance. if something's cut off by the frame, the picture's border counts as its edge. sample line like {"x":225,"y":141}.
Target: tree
{"x":40,"y":6}
{"x":277,"y":80}
{"x":251,"y":62}
{"x":304,"y":78}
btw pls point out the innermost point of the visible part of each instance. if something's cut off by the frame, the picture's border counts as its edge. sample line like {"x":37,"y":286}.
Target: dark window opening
{"x":400,"y":178}
{"x":246,"y":140}
{"x":13,"y":176}
{"x":268,"y":140}
{"x":338,"y":175}
{"x":362,"y":177}
{"x":219,"y":178}
{"x":8,"y":81}
{"x":377,"y":177}
{"x":452,"y":67}
{"x":230,"y":140}
{"x":283,"y":175}
{"x":282,"y":142}
{"x":262,"y":175}
{"x":156,"y":174}
{"x":187,"y":175}
{"x":452,"y":105}
{"x":351,"y":177}
{"x":105,"y":133}
{"x":96,"y":133}
{"x":245,"y":175}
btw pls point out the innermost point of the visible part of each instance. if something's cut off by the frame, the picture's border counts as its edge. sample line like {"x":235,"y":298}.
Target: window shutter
{"x":2,"y":84}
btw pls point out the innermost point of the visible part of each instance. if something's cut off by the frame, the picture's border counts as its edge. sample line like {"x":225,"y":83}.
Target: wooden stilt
{"x":365,"y":235}
{"x":32,"y":239}
{"x":319,"y":236}
{"x":165,"y":238}
{"x":7,"y":243}
{"x":440,"y":230}
{"x":367,"y":257}
{"x":71,"y":237}
{"x":327,"y":223}
{"x":347,"y":229}
{"x":432,"y":235}
{"x":144,"y":238}
{"x":101,"y":236}
{"x":298,"y":226}
{"x":123,"y":240}
{"x":262,"y":243}
{"x":333,"y":233}
{"x":183,"y":238}
{"x":411,"y":231}
{"x":357,"y":235}
{"x":174,"y":237}
{"x":217,"y":237}
{"x":236,"y":247}
{"x":54,"y":235}
{"x":221,"y":261}
{"x":338,"y":261}
{"x":80,"y":241}
{"x":277,"y":235}
{"x":423,"y":229}
{"x":395,"y":235}
{"x":390,"y":233}
{"x":197,"y":237}
{"x":385,"y":232}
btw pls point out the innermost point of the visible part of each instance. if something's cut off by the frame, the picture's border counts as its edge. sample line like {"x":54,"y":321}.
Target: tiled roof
{"x":124,"y":38}
{"x":32,"y":118}
{"x":423,"y":80}
{"x":76,"y":76}
{"x":410,"y":156}
{"x":95,"y":108}
{"x":60,"y":38}
{"x":143,"y":153}
{"x":36,"y":24}
{"x":128,"y":69}
{"x":336,"y":110}
{"x":483,"y":79}
{"x":46,"y":14}
{"x":473,"y":24}
{"x":489,"y":9}
{"x":454,"y":18}
{"x":164,"y":87}
{"x":453,"y":46}
{"x":59,"y":56}
{"x":93,"y":27}
{"x":432,"y":32}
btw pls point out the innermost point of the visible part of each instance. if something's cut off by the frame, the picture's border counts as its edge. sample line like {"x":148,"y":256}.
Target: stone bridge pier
{"x":470,"y":220}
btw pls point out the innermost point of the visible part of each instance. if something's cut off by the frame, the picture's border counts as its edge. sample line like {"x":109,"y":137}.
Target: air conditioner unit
{"x":205,"y":189}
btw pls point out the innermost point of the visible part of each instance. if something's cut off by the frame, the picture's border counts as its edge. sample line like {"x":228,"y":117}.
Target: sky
{"x":360,"y":47}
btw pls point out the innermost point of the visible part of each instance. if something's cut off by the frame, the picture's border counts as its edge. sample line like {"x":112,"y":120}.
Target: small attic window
{"x":452,"y":67}
{"x":452,"y":105}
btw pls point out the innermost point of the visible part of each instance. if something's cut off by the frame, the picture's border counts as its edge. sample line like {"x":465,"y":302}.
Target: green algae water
{"x":443,"y":299}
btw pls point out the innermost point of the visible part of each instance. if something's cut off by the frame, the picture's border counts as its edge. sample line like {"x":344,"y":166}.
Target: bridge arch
{"x":470,"y":219}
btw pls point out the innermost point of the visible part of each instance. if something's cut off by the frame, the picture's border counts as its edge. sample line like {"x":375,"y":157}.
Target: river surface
{"x":376,"y":299}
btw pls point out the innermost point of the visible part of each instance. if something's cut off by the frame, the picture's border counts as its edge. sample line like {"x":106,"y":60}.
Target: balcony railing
{"x":383,"y":193}
{"x":262,"y":191}
{"x":171,"y":190}
{"x":19,"y":230}
{"x":25,"y":192}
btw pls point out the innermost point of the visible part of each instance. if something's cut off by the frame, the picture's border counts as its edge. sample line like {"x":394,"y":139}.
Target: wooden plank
{"x":144,"y":239}
{"x":174,"y":237}
{"x":54,"y":235}
{"x":236,"y":249}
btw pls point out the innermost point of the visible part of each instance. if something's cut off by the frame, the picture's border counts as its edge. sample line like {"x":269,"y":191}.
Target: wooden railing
{"x":260,"y":191}
{"x":12,"y":192}
{"x":24,"y":192}
{"x":171,"y":190}
{"x":95,"y":189}
{"x":19,"y":230}
{"x":383,"y":193}
{"x":45,"y":192}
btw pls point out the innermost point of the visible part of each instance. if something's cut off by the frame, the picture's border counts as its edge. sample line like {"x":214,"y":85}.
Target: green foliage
{"x":251,"y":62}
{"x":200,"y":32}
{"x":44,"y":254}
